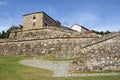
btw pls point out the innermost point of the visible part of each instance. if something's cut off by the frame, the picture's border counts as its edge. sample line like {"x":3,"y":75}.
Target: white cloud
{"x":51,"y":10}
{"x":104,"y":27}
{"x":84,"y":19}
{"x":92,"y":22}
{"x":2,"y":28}
{"x":2,"y":3}
{"x":9,"y":20}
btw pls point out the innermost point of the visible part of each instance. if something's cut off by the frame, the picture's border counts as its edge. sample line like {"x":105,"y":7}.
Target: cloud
{"x":9,"y":20}
{"x":105,"y":27}
{"x":85,"y":19}
{"x":88,"y":18}
{"x":6,"y":24}
{"x":3,"y":28}
{"x":2,"y":3}
{"x":92,"y":21}
{"x":51,"y":10}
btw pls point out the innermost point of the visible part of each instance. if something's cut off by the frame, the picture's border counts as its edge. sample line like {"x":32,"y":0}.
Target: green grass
{"x":10,"y":69}
{"x":106,"y":71}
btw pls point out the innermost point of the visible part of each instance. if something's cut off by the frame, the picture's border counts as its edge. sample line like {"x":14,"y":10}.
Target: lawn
{"x":10,"y":69}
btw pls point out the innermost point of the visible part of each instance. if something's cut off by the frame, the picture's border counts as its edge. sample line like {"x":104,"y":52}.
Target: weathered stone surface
{"x":94,"y":53}
{"x":104,"y":55}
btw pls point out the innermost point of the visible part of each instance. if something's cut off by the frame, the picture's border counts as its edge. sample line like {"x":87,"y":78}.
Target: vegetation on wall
{"x":5,"y":34}
{"x":101,"y":32}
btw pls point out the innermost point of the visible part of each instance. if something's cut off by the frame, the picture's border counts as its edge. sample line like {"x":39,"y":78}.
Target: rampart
{"x":99,"y":54}
{"x":93,"y":52}
{"x":55,"y":40}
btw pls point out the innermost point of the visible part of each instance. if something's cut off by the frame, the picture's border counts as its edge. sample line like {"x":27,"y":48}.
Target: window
{"x":46,"y":24}
{"x":33,"y":23}
{"x":46,"y":19}
{"x":34,"y":17}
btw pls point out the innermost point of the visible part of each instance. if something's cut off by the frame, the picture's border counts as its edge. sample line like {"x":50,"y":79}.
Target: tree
{"x":13,"y":28}
{"x":107,"y":32}
{"x":21,"y":26}
{"x":6,"y":34}
{"x":101,"y":33}
{"x":3,"y":34}
{"x":0,"y":34}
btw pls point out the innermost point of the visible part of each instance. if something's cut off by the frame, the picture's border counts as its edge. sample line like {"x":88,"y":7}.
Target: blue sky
{"x":100,"y":15}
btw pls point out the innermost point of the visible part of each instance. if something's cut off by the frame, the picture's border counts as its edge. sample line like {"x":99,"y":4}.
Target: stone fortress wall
{"x":99,"y":54}
{"x":53,"y":40}
{"x":93,"y":52}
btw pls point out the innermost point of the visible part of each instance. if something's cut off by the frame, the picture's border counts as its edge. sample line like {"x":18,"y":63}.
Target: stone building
{"x":92,"y":53}
{"x":79,"y":28}
{"x":38,"y":20}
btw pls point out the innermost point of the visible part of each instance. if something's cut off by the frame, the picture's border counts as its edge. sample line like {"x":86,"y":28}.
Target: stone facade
{"x":94,"y":52}
{"x":51,"y":32}
{"x":54,"y":40}
{"x":38,"y":20}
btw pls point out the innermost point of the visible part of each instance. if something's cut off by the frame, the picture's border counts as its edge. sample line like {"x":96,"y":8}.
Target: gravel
{"x":60,"y":68}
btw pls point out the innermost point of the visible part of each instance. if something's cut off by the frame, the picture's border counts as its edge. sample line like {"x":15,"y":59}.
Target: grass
{"x":106,"y":71}
{"x":10,"y":69}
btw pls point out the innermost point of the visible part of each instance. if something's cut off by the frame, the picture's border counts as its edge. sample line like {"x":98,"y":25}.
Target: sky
{"x":100,"y":15}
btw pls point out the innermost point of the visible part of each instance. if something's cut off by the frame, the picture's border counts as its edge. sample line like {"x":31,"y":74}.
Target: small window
{"x":33,"y":23}
{"x":46,"y":24}
{"x":46,"y":19}
{"x":34,"y":17}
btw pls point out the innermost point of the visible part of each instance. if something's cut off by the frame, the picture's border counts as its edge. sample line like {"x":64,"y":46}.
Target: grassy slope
{"x":10,"y":69}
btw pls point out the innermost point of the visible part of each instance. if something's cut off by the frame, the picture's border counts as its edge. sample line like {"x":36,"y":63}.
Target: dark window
{"x":46,"y":19}
{"x":46,"y":24}
{"x":33,"y":23}
{"x":34,"y":17}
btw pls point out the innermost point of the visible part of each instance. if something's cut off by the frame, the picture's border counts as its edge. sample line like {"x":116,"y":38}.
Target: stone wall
{"x":62,"y":46}
{"x":38,"y":20}
{"x":28,"y":21}
{"x":65,"y":43}
{"x":50,"y":32}
{"x":102,"y":54}
{"x":93,"y":52}
{"x":60,"y":41}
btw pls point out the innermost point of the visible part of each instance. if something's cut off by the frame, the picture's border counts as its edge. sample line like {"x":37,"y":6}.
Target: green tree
{"x":3,"y":34}
{"x":0,"y":34}
{"x":102,"y":32}
{"x":107,"y":32}
{"x":6,"y":34}
{"x":13,"y":28}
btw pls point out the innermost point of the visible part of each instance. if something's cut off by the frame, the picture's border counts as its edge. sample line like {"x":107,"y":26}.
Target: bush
{"x":6,"y":34}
